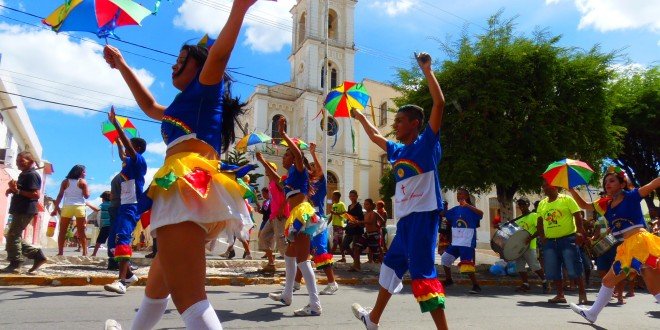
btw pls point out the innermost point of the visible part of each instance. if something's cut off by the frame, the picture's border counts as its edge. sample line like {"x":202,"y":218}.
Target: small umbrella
{"x":568,"y":173}
{"x":251,"y":139}
{"x":347,"y":96}
{"x":110,"y":132}
{"x":300,"y":143}
{"x":100,"y":17}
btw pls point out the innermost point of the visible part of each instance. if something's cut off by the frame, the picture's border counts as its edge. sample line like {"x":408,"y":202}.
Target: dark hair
{"x":105,"y":196}
{"x":27,"y":155}
{"x":264,"y":189}
{"x":336,"y":193}
{"x":76,"y":172}
{"x":523,"y":200}
{"x":232,"y":107}
{"x":413,"y":112}
{"x":353,"y":192}
{"x":369,"y":200}
{"x":139,"y":144}
{"x":467,"y":192}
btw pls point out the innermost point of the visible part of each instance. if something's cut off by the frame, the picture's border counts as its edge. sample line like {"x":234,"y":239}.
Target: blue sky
{"x":69,"y":70}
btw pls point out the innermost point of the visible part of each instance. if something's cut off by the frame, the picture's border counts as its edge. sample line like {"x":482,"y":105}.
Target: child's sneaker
{"x":330,"y":289}
{"x":112,"y":325}
{"x":308,"y":311}
{"x":475,"y":289}
{"x":130,"y":281}
{"x":362,"y":314}
{"x":278,"y":297}
{"x":582,"y":312}
{"x":116,"y":286}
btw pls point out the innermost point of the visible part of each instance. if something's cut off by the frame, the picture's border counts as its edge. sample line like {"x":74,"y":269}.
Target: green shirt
{"x":528,"y":223}
{"x":338,"y":220}
{"x":557,"y":216}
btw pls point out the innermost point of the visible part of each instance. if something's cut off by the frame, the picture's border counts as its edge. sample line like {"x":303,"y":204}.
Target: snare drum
{"x":510,"y":241}
{"x":603,"y":245}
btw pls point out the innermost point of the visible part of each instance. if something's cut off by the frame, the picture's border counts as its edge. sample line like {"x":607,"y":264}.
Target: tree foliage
{"x":635,"y":100}
{"x":235,"y":157}
{"x":514,"y":104}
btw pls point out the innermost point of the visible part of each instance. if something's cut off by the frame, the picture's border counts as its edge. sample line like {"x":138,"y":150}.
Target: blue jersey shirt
{"x":196,"y":110}
{"x":627,"y":215}
{"x":296,"y":182}
{"x":419,"y":159}
{"x":133,"y":168}
{"x":464,"y":223}
{"x":320,"y":192}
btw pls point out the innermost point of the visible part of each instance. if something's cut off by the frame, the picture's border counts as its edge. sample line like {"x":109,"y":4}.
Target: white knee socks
{"x":310,"y":282}
{"x":150,"y":312}
{"x":289,"y":277}
{"x":604,"y":296}
{"x":201,"y":316}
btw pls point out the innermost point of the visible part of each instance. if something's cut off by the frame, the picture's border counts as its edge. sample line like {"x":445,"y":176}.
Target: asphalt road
{"x":248,"y":307}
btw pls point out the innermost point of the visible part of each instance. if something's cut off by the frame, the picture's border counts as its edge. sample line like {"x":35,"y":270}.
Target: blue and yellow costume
{"x":319,"y":245}
{"x":417,"y":203}
{"x":639,"y":249}
{"x":190,"y":186}
{"x":303,"y":217}
{"x":132,"y":172}
{"x":464,"y":223}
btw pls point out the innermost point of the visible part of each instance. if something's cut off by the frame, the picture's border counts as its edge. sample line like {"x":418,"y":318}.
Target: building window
{"x":277,"y":137}
{"x":333,"y":78}
{"x":383,"y":114}
{"x":332,"y":25}
{"x":332,"y":72}
{"x":302,"y":30}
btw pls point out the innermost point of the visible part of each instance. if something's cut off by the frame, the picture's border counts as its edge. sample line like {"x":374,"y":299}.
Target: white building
{"x":16,"y":135}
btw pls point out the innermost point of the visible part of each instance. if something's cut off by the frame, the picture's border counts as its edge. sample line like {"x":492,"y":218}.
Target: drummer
{"x":560,"y":233}
{"x":464,"y":219}
{"x":528,"y":222}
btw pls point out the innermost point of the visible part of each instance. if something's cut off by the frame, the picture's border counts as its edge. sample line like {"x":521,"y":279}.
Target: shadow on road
{"x":28,"y":294}
{"x":588,"y":324}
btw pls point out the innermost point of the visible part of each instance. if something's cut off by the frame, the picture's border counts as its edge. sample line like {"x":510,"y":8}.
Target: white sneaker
{"x":330,"y":289}
{"x":112,"y":325}
{"x":116,"y":286}
{"x":308,"y":311}
{"x":362,"y":314}
{"x":278,"y":297}
{"x":582,"y":312}
{"x":130,"y":281}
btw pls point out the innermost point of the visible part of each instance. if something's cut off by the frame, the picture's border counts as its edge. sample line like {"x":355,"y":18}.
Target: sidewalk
{"x":74,"y":270}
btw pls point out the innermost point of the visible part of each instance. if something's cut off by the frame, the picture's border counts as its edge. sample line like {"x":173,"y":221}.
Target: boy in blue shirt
{"x":417,"y":203}
{"x":134,"y":167}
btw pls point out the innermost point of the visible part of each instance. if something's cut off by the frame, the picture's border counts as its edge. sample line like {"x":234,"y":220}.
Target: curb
{"x":19,"y":280}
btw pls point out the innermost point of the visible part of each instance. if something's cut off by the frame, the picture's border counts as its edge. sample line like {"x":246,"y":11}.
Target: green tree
{"x":635,"y":99}
{"x":386,"y":189}
{"x":514,"y":105}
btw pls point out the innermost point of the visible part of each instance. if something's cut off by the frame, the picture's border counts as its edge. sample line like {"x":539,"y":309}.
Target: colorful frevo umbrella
{"x":111,"y":133}
{"x":347,"y":96}
{"x":568,"y":173}
{"x":251,"y":139}
{"x":302,"y":145}
{"x":100,"y":17}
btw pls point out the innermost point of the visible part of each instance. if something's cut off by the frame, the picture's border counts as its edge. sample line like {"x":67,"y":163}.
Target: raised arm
{"x":580,"y":201}
{"x":319,"y":168}
{"x":142,"y":95}
{"x":371,"y":130}
{"x":128,"y":146}
{"x":435,"y":120}
{"x":270,"y":171}
{"x":649,"y":187}
{"x":297,"y":154}
{"x":214,"y":68}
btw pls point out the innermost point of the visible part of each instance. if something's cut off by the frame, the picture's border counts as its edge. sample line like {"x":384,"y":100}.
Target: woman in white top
{"x":73,"y":193}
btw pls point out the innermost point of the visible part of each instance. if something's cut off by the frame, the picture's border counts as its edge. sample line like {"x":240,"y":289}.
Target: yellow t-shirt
{"x":558,"y":216}
{"x":338,"y":220}
{"x":528,"y":223}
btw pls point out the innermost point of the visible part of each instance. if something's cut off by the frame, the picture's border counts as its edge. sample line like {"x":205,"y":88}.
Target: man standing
{"x":23,"y":208}
{"x":560,"y":233}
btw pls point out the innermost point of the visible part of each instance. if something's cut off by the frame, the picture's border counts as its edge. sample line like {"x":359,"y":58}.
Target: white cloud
{"x":97,"y":188}
{"x":610,"y":15}
{"x":158,"y":148}
{"x":66,"y":61}
{"x":394,"y":7}
{"x":268,"y":23}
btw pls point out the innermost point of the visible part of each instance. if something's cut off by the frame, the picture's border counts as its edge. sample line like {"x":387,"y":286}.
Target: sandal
{"x":557,"y":300}
{"x":523,"y":288}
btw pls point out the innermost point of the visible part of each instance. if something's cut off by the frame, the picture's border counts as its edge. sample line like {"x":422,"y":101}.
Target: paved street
{"x":87,"y":307}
